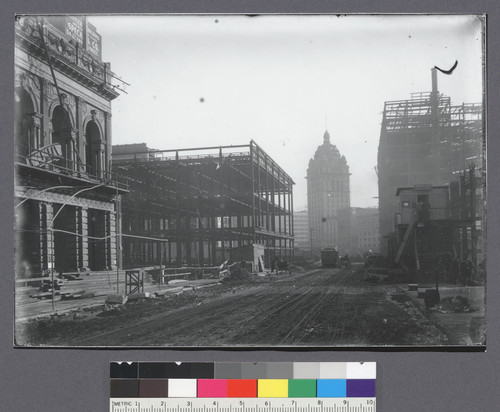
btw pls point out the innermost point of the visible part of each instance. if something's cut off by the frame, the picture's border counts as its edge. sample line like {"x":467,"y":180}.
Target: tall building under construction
{"x":327,"y":193}
{"x":196,"y":206}
{"x":425,"y":140}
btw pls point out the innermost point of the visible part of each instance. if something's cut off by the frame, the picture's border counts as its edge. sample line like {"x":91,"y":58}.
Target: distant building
{"x":368,"y":230}
{"x":301,"y":230}
{"x":66,"y":196}
{"x":424,"y":140}
{"x":347,"y":231}
{"x":327,"y":193}
{"x":359,"y":230}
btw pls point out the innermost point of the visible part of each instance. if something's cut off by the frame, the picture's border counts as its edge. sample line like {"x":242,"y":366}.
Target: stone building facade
{"x":66,"y":198}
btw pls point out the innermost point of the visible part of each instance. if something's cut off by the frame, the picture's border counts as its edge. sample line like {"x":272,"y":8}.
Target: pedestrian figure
{"x":278,"y":264}
{"x":346,"y":261}
{"x":441,"y":269}
{"x":463,"y":271}
{"x":482,"y":270}
{"x":284,"y":266}
{"x":469,"y":266}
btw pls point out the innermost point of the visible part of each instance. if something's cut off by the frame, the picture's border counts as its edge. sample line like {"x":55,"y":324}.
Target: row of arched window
{"x":60,"y":147}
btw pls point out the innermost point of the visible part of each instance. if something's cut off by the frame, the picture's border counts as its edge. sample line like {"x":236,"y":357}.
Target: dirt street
{"x":323,"y":307}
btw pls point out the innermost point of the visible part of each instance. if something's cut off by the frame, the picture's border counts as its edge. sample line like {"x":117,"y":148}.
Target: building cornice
{"x":65,"y":58}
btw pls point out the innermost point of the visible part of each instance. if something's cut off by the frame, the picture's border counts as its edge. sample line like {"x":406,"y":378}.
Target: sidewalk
{"x":33,"y":308}
{"x":462,"y":328}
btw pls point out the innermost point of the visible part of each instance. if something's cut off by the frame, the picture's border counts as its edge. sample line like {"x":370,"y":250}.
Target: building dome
{"x":327,"y":151}
{"x":326,"y":137}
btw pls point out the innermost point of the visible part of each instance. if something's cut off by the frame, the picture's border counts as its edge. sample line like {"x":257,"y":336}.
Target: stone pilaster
{"x":46,"y":236}
{"x":112,"y":239}
{"x":80,"y":131}
{"x":44,"y":111}
{"x":84,"y":239}
{"x":106,"y":167}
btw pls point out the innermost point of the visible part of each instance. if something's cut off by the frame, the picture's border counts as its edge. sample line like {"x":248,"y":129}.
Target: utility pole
{"x":473,"y":217}
{"x":51,"y":234}
{"x":118,"y":211}
{"x":311,"y":230}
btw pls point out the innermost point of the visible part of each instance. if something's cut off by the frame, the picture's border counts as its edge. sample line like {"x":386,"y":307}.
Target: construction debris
{"x":176,"y":281}
{"x":236,"y":273}
{"x":115,"y":299}
{"x":431,"y":298}
{"x":135,"y":297}
{"x":455,"y":304}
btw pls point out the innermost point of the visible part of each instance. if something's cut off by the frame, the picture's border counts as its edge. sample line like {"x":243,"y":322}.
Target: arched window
{"x":93,"y":150}
{"x":61,"y":134}
{"x":27,"y":124}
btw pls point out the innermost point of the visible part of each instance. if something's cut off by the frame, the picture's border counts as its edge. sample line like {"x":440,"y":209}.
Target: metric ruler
{"x":242,"y":387}
{"x":242,"y":405}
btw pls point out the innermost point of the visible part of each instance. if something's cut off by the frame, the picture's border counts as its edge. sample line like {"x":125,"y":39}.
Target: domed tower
{"x":327,"y":193}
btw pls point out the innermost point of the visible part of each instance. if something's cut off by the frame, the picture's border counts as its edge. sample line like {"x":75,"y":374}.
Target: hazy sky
{"x":220,"y":80}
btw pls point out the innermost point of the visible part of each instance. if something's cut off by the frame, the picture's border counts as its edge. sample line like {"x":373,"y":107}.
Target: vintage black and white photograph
{"x":250,"y":181}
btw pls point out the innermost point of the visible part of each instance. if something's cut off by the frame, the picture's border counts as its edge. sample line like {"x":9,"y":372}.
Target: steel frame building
{"x":424,"y":140}
{"x":191,"y":206}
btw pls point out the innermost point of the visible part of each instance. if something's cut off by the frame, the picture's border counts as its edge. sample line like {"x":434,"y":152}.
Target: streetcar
{"x":329,"y":257}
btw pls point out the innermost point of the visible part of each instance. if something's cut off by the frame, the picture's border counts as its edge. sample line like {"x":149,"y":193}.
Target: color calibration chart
{"x":242,"y":387}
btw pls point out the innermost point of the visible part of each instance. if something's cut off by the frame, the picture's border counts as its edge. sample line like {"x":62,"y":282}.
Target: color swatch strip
{"x":242,"y":380}
{"x":243,"y":370}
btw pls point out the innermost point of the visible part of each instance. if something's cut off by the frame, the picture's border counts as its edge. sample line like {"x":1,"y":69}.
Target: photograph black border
{"x":77,"y":379}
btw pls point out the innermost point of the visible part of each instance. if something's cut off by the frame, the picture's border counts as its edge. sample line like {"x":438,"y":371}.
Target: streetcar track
{"x":312,"y":315}
{"x":269,"y":319}
{"x":176,"y":313}
{"x":312,"y":308}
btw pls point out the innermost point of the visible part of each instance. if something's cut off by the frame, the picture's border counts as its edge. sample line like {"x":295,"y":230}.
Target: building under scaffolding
{"x":192,"y":206}
{"x":441,"y":224}
{"x":65,"y":194}
{"x":424,"y":140}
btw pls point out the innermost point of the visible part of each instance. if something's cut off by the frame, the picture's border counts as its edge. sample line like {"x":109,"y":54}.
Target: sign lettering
{"x":74,"y":29}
